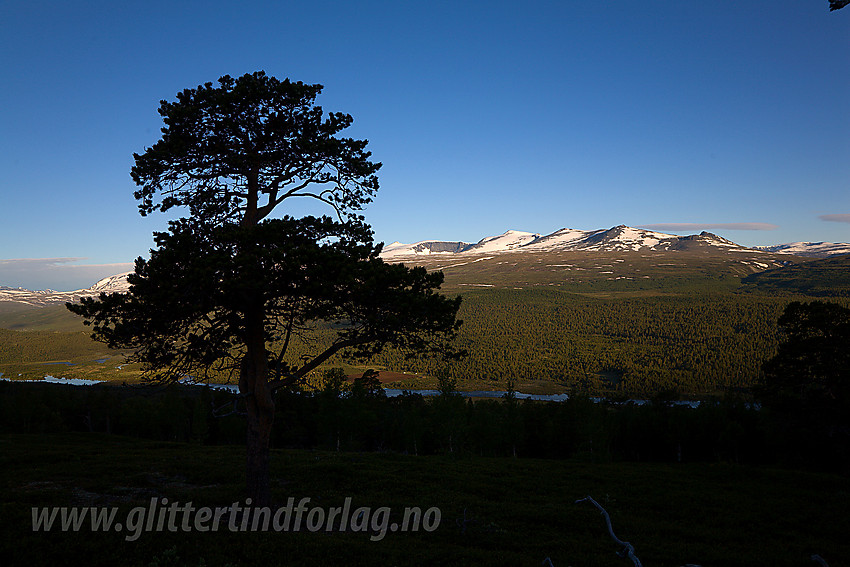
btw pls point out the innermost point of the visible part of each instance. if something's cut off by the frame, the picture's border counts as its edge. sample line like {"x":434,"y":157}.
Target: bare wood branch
{"x":628,"y":549}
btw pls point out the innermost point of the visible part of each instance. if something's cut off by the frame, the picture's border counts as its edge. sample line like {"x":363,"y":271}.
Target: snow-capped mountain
{"x":813,"y":249}
{"x":617,"y":239}
{"x":111,"y":284}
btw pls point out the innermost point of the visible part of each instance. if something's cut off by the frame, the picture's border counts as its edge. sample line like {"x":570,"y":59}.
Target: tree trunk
{"x":253,"y":381}
{"x":260,"y":421}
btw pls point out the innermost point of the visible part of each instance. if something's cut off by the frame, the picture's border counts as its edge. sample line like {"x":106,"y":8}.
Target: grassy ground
{"x":517,"y":511}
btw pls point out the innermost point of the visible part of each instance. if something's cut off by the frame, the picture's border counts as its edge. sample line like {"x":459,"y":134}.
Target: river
{"x":391,"y":392}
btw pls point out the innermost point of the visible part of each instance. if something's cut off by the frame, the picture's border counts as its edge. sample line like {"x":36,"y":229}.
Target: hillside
{"x":47,"y":318}
{"x":827,"y":277}
{"x":599,"y":270}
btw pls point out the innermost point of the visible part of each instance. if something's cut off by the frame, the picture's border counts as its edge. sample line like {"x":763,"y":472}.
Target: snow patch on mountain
{"x":563,"y":238}
{"x":111,"y":284}
{"x":510,"y":240}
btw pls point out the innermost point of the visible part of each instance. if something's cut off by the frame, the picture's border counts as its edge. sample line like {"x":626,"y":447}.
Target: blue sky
{"x":487,"y":116}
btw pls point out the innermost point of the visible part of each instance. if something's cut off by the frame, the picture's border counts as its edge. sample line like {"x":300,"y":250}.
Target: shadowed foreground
{"x":494,"y":511}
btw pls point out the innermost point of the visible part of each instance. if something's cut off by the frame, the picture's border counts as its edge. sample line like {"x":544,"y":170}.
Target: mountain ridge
{"x":618,"y":238}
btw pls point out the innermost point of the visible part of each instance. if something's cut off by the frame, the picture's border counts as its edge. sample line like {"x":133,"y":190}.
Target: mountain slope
{"x":55,"y":317}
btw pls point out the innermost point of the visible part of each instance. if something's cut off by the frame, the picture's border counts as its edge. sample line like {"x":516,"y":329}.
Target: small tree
{"x":368,"y":385}
{"x":448,"y":409}
{"x":230,"y":288}
{"x":808,"y":381}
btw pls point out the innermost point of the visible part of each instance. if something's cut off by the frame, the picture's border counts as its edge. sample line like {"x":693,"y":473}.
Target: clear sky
{"x":729,"y":115}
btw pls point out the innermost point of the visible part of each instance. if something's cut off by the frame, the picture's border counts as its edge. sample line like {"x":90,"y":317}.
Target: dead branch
{"x":628,"y":549}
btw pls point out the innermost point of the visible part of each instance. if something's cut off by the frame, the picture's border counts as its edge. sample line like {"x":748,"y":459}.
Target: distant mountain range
{"x":617,"y":239}
{"x":116,"y":283}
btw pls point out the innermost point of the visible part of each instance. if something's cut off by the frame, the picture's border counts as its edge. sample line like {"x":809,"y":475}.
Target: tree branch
{"x":316,"y":361}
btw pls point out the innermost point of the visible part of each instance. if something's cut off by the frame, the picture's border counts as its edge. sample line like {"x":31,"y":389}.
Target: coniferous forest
{"x":695,"y":344}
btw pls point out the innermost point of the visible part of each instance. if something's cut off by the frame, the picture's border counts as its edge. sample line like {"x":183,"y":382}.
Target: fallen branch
{"x":628,"y":549}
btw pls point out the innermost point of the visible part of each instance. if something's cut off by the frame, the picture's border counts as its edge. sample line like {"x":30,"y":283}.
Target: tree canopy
{"x":235,"y":151}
